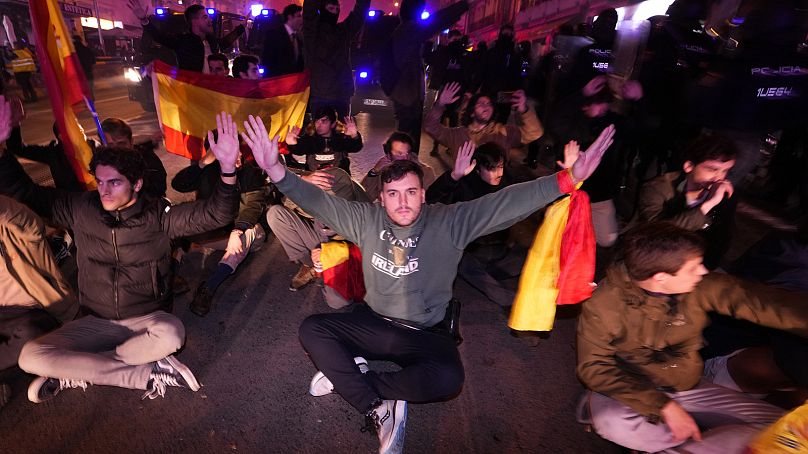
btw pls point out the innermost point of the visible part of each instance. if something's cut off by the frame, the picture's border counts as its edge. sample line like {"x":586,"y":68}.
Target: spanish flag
{"x":187,"y":104}
{"x":560,"y":265}
{"x":65,"y":81}
{"x":342,"y":269}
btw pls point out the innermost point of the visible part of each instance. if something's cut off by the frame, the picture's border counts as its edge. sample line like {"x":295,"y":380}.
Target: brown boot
{"x":303,"y":277}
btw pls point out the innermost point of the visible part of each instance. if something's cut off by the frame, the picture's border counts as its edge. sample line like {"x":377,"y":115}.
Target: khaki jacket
{"x":30,"y":261}
{"x":661,"y":200}
{"x":632,"y":346}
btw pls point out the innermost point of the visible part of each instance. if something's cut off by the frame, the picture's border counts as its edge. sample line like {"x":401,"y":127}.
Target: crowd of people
{"x":663,"y":188}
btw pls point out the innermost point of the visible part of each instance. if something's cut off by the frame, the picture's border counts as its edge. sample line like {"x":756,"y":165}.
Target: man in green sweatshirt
{"x":410,"y":253}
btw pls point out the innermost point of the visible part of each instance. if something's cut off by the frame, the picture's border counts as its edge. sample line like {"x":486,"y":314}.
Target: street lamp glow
{"x":395,"y":4}
{"x":425,"y":15}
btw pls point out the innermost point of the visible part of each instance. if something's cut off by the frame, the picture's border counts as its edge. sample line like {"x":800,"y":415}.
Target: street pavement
{"x":519,"y":394}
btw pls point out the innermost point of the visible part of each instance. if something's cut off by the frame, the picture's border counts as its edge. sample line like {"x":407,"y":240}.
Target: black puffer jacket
{"x":123,"y":258}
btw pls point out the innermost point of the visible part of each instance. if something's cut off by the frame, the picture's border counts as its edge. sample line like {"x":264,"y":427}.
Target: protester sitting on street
{"x":327,"y":52}
{"x":34,"y":295}
{"x":300,"y":234}
{"x":478,"y":172}
{"x":410,"y":253}
{"x":322,"y":144}
{"x":699,"y":197}
{"x":638,"y":341}
{"x":478,"y":122}
{"x":244,"y":234}
{"x":218,"y":65}
{"x":123,"y":243}
{"x":246,"y":67}
{"x":192,"y":47}
{"x":119,"y":134}
{"x":398,"y":146}
{"x":282,"y":52}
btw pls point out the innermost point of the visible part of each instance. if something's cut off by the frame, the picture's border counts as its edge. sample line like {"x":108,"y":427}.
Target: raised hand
{"x":226,"y":148}
{"x":292,"y":135}
{"x":322,"y":180}
{"x":6,"y":119}
{"x":234,"y":244}
{"x":632,"y":90}
{"x":350,"y":127}
{"x":464,"y":163}
{"x":588,"y":160}
{"x":519,"y":101}
{"x":264,"y":150}
{"x":595,"y":85}
{"x":718,"y":190}
{"x":138,"y":9}
{"x":449,"y":94}
{"x":571,"y":152}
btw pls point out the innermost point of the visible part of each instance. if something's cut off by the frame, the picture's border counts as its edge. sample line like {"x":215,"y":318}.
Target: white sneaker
{"x":389,"y":420}
{"x":166,"y":372}
{"x":44,"y":388}
{"x":321,"y":385}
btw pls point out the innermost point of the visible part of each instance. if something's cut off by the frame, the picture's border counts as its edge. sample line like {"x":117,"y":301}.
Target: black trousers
{"x":431,"y":369}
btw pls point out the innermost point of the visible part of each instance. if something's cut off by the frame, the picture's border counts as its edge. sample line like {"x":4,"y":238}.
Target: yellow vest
{"x":24,"y":63}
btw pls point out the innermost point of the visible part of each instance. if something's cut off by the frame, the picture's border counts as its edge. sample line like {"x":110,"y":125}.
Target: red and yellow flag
{"x":187,"y":104}
{"x":342,"y":269}
{"x":560,"y":265}
{"x":65,"y":82}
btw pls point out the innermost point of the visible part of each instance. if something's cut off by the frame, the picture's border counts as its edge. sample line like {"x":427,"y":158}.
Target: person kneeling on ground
{"x":638,"y":347}
{"x":123,"y":243}
{"x":410,"y":253}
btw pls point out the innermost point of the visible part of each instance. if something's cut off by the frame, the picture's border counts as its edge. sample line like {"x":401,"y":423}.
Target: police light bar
{"x":372,"y":13}
{"x":160,"y":11}
{"x":265,"y":12}
{"x":211,"y":11}
{"x":363,"y":74}
{"x":425,"y":15}
{"x":261,"y":70}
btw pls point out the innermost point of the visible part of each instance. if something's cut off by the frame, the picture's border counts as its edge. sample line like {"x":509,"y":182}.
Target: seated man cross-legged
{"x":410,"y":254}
{"x":123,"y":243}
{"x":639,"y":337}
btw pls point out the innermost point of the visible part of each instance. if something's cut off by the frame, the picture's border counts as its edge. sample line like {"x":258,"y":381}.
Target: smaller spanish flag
{"x":188,"y":101}
{"x":560,"y":265}
{"x":342,"y":269}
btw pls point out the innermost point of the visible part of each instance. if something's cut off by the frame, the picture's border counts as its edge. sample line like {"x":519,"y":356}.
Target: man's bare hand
{"x":350,"y":127}
{"x":292,"y":135}
{"x":265,"y":151}
{"x":680,"y":422}
{"x":234,"y":244}
{"x":464,"y":163}
{"x":571,"y":152}
{"x":226,"y":147}
{"x":595,"y":85}
{"x":322,"y":180}
{"x":589,"y":160}
{"x":718,"y":190}
{"x":519,"y":101}
{"x":449,"y":94}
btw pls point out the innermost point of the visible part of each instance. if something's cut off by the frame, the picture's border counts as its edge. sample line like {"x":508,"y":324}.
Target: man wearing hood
{"x":502,"y":71}
{"x":327,"y":52}
{"x":595,"y":59}
{"x":402,"y":68}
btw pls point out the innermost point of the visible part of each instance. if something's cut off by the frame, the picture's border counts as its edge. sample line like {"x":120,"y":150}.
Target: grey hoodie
{"x":409,"y":271}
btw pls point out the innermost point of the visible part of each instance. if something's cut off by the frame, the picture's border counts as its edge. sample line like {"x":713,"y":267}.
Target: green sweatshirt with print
{"x":409,"y":271}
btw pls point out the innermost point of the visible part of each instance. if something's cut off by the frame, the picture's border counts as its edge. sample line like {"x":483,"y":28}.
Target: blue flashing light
{"x":737,"y":21}
{"x":261,"y":70}
{"x":160,"y":11}
{"x":265,"y":12}
{"x":211,"y":11}
{"x":425,"y":15}
{"x":372,"y":13}
{"x":363,"y":74}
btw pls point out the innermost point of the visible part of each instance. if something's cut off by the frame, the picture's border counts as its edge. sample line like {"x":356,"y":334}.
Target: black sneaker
{"x":44,"y":388}
{"x":203,"y":299}
{"x":389,"y":420}
{"x":166,"y":372}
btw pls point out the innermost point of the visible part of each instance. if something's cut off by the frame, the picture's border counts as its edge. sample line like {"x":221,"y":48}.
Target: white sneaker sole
{"x":396,"y":442}
{"x":184,"y":371}
{"x":320,"y":384}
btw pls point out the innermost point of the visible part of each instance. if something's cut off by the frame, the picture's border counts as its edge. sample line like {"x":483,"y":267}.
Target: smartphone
{"x":505,"y":97}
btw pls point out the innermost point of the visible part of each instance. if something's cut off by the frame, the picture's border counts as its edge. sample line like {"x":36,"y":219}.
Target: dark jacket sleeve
{"x":356,"y":18}
{"x":193,"y":218}
{"x":349,"y":145}
{"x":227,"y":41}
{"x":38,"y":153}
{"x":251,"y":207}
{"x":443,"y":189}
{"x":187,"y":179}
{"x":53,"y":204}
{"x":154,"y":182}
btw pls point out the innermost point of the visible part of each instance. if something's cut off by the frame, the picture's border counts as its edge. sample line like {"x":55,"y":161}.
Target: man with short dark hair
{"x":282,"y":52}
{"x":119,"y":134}
{"x":123,"y":244}
{"x":193,"y":47}
{"x":398,"y":146}
{"x":698,"y":198}
{"x":218,"y":65}
{"x":410,"y":253}
{"x":246,"y":67}
{"x":638,"y":341}
{"x":324,"y":146}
